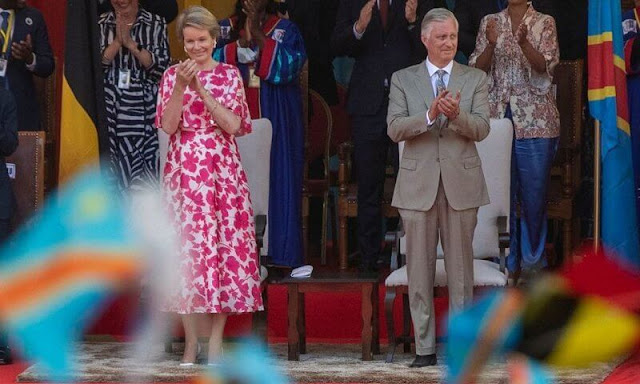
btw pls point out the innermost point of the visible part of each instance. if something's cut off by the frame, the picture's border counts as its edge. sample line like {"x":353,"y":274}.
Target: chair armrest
{"x":503,"y":240}
{"x":393,"y":237}
{"x":261,"y":225}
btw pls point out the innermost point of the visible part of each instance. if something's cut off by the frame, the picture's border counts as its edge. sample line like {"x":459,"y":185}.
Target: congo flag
{"x":608,"y":104}
{"x":56,"y":274}
{"x":82,"y":123}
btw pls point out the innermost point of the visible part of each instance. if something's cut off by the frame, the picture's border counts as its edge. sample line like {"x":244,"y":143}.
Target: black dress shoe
{"x":424,"y":361}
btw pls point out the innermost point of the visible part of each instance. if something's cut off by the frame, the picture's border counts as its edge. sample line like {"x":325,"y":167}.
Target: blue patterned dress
{"x":277,"y":98}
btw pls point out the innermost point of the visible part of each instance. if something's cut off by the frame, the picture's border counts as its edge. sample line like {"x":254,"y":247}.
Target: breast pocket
{"x":409,"y":164}
{"x":471,"y":162}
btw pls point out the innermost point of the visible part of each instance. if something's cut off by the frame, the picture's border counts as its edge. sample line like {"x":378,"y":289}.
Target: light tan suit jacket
{"x":444,"y":150}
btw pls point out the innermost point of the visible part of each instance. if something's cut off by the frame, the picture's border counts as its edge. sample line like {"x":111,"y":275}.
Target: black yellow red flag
{"x":83,"y":135}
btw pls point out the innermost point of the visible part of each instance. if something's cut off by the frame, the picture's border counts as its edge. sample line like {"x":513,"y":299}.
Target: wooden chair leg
{"x":376,"y":319}
{"x":389,"y":299}
{"x":302,"y":322}
{"x":323,"y":237}
{"x":334,"y":227}
{"x":259,"y":319}
{"x":567,"y":239}
{"x":342,"y":241}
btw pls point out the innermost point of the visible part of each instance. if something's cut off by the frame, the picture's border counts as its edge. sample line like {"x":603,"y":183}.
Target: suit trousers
{"x":371,"y":146}
{"x":422,"y":231}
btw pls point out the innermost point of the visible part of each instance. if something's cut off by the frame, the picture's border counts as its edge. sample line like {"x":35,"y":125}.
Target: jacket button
{"x":437,"y":159}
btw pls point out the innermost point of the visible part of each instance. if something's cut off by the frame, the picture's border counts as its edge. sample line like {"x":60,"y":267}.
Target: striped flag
{"x":608,"y":104}
{"x":56,"y":274}
{"x":82,"y":123}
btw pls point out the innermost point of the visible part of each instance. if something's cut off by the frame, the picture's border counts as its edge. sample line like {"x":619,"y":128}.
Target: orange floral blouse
{"x":513,"y":81}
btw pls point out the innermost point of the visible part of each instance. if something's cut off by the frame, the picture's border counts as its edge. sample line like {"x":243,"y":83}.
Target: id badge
{"x":254,"y":81}
{"x":124,"y":79}
{"x":3,"y":67}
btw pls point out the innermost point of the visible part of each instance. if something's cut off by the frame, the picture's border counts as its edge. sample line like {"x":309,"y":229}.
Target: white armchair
{"x":255,"y":155}
{"x":490,"y":241}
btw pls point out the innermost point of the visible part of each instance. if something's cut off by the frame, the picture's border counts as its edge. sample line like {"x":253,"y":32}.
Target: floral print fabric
{"x":208,"y":196}
{"x":513,"y":82}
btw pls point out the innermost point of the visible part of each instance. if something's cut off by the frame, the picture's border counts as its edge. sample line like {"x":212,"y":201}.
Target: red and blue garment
{"x":278,"y":99}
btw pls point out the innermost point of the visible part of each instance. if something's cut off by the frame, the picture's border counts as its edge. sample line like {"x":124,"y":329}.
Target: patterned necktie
{"x":440,"y":86}
{"x":384,"y":12}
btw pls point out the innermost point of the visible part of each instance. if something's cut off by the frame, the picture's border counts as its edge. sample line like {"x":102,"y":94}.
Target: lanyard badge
{"x":7,"y":21}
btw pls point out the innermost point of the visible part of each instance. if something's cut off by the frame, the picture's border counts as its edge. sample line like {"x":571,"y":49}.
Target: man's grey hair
{"x":436,"y":15}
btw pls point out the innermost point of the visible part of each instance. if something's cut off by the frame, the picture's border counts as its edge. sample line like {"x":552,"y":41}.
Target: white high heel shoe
{"x":192,"y":364}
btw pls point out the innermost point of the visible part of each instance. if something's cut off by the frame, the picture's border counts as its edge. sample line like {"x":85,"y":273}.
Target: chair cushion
{"x":485,"y":273}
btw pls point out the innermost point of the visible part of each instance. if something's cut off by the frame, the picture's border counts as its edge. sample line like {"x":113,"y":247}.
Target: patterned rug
{"x":329,"y":363}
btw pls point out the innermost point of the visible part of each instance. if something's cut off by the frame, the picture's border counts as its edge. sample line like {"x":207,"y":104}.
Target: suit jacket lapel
{"x":455,"y":79}
{"x":424,"y":84}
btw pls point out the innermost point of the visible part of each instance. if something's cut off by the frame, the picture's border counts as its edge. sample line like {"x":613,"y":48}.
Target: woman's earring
{"x":185,"y":49}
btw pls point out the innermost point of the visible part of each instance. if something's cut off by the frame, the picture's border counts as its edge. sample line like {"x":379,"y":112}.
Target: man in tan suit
{"x":439,"y":108}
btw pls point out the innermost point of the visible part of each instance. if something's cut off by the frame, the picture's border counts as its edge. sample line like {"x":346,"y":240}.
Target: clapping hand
{"x":186,"y":72}
{"x":365,"y":16}
{"x":521,"y":34}
{"x":435,"y":108}
{"x":492,"y":32}
{"x":23,"y":50}
{"x":410,"y":11}
{"x":123,"y":32}
{"x":450,"y":105}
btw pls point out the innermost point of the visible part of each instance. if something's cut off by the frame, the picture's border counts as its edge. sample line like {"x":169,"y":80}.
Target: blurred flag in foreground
{"x":248,"y":363}
{"x":56,"y":274}
{"x":584,"y":314}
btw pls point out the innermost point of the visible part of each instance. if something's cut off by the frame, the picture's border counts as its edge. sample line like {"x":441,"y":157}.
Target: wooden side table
{"x":332,"y":282}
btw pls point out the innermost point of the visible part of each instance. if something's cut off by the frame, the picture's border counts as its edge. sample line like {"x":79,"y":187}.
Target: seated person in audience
{"x":168,"y":9}
{"x":270,"y":53}
{"x":518,"y":48}
{"x":631,"y":37}
{"x":28,"y":52}
{"x":440,"y":183}
{"x":8,"y":144}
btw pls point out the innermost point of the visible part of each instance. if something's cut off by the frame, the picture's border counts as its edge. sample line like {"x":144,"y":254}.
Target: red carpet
{"x":330,"y":317}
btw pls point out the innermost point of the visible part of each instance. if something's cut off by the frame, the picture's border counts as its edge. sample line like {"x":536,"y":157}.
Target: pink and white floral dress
{"x":208,"y":196}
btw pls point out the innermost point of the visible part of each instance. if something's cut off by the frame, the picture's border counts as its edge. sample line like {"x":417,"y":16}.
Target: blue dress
{"x":631,"y":32}
{"x":273,"y":92}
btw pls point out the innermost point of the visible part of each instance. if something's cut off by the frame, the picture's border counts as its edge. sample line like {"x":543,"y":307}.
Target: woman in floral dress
{"x":518,"y":48}
{"x":202,"y":106}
